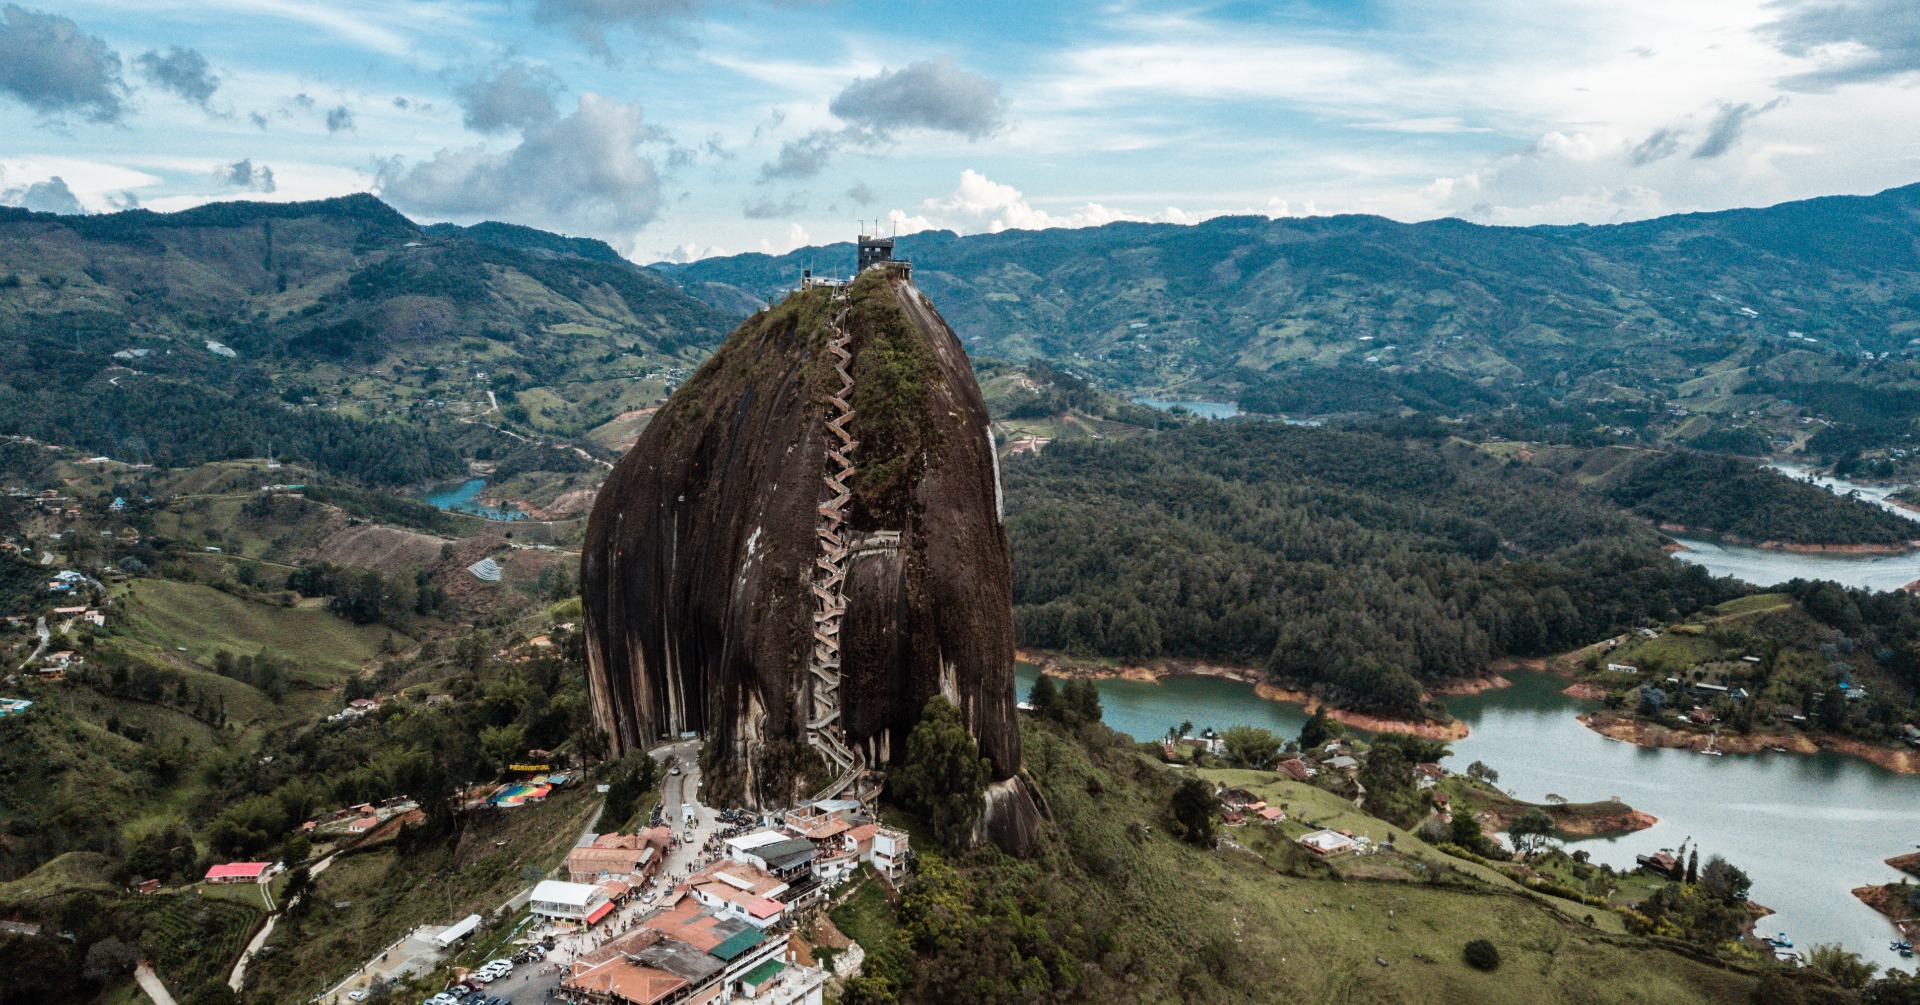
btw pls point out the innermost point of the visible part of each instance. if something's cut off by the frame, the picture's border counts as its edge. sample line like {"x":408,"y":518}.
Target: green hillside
{"x":336,"y":333}
{"x":1113,"y":909}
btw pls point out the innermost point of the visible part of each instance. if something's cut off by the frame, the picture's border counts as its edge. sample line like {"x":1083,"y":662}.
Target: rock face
{"x":702,"y":558}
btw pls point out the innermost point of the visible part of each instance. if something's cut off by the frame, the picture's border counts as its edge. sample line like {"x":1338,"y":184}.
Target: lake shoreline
{"x":1056,"y":666}
{"x":1641,"y":733}
{"x":1890,"y":900}
{"x":1791,"y":547}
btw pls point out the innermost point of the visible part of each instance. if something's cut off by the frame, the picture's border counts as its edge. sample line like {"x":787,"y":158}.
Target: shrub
{"x":1481,"y":955}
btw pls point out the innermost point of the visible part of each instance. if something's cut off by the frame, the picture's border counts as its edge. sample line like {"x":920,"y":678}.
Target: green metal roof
{"x":763,"y":973}
{"x":738,"y":943}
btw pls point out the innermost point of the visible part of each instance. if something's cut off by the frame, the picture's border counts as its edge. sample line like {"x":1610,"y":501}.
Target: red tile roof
{"x":238,"y":870}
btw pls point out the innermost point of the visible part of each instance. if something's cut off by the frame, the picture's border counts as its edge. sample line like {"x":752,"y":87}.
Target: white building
{"x":890,"y":852}
{"x":561,"y":901}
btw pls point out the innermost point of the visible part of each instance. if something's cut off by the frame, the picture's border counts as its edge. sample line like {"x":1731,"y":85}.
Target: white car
{"x":442,"y":999}
{"x":504,"y":965}
{"x":357,"y":996}
{"x":483,"y":976}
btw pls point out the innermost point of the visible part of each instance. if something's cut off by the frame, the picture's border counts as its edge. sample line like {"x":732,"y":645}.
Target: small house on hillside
{"x":1328,"y":844}
{"x":239,"y":872}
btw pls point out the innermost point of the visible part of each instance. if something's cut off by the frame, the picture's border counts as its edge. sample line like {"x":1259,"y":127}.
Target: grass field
{"x":1758,"y":603}
{"x":203,"y":620}
{"x":863,"y":915}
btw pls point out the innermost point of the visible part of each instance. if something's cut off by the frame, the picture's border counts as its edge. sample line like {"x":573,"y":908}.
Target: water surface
{"x":1768,"y":566}
{"x":464,"y":498}
{"x":1204,"y":409}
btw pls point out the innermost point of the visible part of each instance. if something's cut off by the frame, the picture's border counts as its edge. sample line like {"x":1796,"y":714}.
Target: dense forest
{"x":1363,"y":565}
{"x":180,"y":413}
{"x":1724,"y":495}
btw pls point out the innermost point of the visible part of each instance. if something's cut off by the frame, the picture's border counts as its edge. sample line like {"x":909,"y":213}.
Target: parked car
{"x":357,"y":996}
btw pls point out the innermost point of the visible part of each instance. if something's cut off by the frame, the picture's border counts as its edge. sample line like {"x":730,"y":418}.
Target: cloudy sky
{"x":678,"y":128}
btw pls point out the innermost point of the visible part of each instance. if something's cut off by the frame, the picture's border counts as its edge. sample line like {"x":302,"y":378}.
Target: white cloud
{"x":1428,"y":124}
{"x":582,"y":173}
{"x":796,"y":237}
{"x":97,"y":187}
{"x":693,"y":252}
{"x":981,"y":205}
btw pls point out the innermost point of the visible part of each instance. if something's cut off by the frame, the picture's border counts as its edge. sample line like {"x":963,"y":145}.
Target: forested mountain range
{"x":336,"y":332}
{"x":1718,"y":313}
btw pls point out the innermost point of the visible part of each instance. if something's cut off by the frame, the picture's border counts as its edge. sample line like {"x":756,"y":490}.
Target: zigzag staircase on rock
{"x":824,"y":730}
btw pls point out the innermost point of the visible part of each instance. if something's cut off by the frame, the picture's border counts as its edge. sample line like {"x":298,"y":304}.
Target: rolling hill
{"x":1718,"y":313}
{"x":335,"y":332}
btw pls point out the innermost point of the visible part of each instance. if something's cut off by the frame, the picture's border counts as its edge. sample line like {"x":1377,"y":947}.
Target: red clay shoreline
{"x":1789,"y":546}
{"x":1641,"y":733}
{"x":1056,"y":666}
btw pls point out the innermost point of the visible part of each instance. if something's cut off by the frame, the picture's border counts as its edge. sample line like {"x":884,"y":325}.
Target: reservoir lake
{"x":1768,"y":566}
{"x":464,"y":498}
{"x":1204,"y":409}
{"x":1807,"y":828}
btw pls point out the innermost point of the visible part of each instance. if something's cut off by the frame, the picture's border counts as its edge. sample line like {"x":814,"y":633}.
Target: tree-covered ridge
{"x":236,"y":328}
{"x":1238,"y":301}
{"x":1365,"y":566}
{"x":1724,"y":495}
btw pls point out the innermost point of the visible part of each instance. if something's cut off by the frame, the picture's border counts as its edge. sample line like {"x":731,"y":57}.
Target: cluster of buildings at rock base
{"x":722,"y":932}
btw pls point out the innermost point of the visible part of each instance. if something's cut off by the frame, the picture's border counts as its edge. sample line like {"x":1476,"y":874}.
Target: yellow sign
{"x":529,"y":767}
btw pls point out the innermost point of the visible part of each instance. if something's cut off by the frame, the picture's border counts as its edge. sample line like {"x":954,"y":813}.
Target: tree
{"x":1724,"y":881}
{"x":1481,"y":954}
{"x":1844,"y":968}
{"x":1465,"y":832}
{"x":944,"y":778}
{"x":1316,"y":731}
{"x":633,"y":778}
{"x":1044,"y":697}
{"x":109,"y":960}
{"x":1480,"y":772}
{"x":1419,"y":749}
{"x":1193,"y":808}
{"x":1082,"y":702}
{"x":1251,"y":746}
{"x":1531,"y":831}
{"x":868,"y":989}
{"x":1392,"y":793}
{"x":299,"y":881}
{"x":1693,"y":867}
